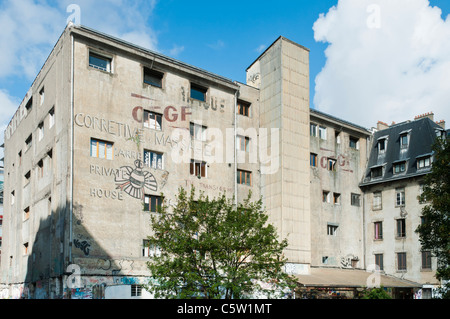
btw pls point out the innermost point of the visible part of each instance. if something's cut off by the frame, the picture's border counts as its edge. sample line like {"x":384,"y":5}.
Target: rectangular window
{"x":41,"y":168}
{"x":136,"y":290}
{"x":379,"y":261}
{"x":243,"y":143}
{"x":426,"y":259}
{"x":198,"y":131}
{"x":153,"y":78}
{"x":377,"y":202}
{"x":331,"y":166}
{"x":41,"y":131}
{"x":153,"y":120}
{"x":243,"y":108}
{"x":337,"y":137}
{"x":332,"y":230}
{"x":354,"y":142}
{"x":152,"y":203}
{"x":51,"y":117}
{"x":198,"y":92}
{"x":29,"y":105}
{"x":26,"y":213}
{"x":322,"y":132}
{"x":401,"y":228}
{"x":25,"y":249}
{"x":150,"y":250}
{"x":153,"y":159}
{"x":381,"y":146}
{"x":423,"y":162}
{"x":378,"y":230}
{"x":99,"y":62}
{"x":102,"y":149}
{"x":27,"y":177}
{"x":313,"y":129}
{"x":399,"y":168}
{"x":13,"y":197}
{"x":401,"y":261}
{"x":400,"y":197}
{"x":404,"y":141}
{"x":337,"y":198}
{"x":355,"y":199}
{"x":244,"y":177}
{"x":198,"y":168}
{"x":29,"y":141}
{"x":41,"y":96}
{"x":325,"y":196}
{"x":313,"y":160}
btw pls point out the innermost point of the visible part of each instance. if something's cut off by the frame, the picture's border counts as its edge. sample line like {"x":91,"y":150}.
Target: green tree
{"x":434,"y":231}
{"x":375,"y":293}
{"x":209,"y":248}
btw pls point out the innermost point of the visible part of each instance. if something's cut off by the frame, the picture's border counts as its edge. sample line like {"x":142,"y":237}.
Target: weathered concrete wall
{"x":282,"y":75}
{"x":345,"y":247}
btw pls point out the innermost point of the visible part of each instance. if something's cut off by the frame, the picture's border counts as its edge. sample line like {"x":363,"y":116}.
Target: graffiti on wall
{"x":134,"y":181}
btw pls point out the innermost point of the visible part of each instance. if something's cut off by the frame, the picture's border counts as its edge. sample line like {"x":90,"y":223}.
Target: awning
{"x":350,"y":278}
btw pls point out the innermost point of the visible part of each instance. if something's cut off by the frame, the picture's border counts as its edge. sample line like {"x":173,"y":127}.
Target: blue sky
{"x":370,"y":60}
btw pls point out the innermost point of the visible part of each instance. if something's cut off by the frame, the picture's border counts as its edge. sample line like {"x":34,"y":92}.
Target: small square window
{"x":102,"y":149}
{"x":25,"y":249}
{"x":153,"y":159}
{"x":26,"y":213}
{"x":423,"y":162}
{"x":136,"y":290}
{"x":198,"y":132}
{"x":153,"y":78}
{"x":99,"y":62}
{"x":354,"y":142}
{"x":198,"y":92}
{"x":332,"y":230}
{"x":244,"y":177}
{"x":382,"y":146}
{"x":152,"y":203}
{"x":243,"y":108}
{"x":331,"y":164}
{"x":337,"y":198}
{"x":355,"y":199}
{"x":153,"y":120}
{"x":376,"y":172}
{"x":29,"y":141}
{"x":198,"y":168}
{"x":243,"y":143}
{"x":29,"y":105}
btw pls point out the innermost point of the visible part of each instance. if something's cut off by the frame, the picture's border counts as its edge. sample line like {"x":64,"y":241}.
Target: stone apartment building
{"x":108,"y":126}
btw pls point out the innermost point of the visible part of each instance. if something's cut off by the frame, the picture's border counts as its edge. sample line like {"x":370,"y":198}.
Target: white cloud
{"x":176,"y":50}
{"x":260,"y":48}
{"x":386,"y":60}
{"x":8,"y":106}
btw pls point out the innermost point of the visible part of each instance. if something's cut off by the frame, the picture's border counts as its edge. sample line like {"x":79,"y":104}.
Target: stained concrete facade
{"x":113,"y":126}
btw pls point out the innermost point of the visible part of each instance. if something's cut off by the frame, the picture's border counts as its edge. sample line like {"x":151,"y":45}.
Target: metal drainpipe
{"x":71,"y":150}
{"x":235,"y":151}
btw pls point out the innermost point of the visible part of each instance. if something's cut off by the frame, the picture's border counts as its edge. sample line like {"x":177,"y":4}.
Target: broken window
{"x":198,"y":92}
{"x":153,"y":78}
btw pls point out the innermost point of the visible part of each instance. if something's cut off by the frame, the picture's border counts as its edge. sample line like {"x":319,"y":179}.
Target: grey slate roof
{"x":422,"y":134}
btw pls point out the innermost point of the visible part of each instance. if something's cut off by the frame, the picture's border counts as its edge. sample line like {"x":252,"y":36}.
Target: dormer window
{"x":404,"y":139}
{"x":376,"y":172}
{"x":382,"y":145}
{"x":400,"y":167}
{"x":424,"y":162}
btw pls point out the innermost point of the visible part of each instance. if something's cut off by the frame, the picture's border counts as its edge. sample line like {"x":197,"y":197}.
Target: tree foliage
{"x":434,"y":232}
{"x":209,"y":248}
{"x":375,"y":293}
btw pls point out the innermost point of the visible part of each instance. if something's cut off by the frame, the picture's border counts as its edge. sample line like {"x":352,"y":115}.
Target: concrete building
{"x":108,"y":126}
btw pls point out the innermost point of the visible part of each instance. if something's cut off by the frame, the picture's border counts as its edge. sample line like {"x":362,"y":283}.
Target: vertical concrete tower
{"x":282,"y":75}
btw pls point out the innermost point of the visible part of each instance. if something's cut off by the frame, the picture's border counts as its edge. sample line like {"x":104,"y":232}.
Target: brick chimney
{"x":430,"y":115}
{"x":382,"y":126}
{"x":441,"y":123}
